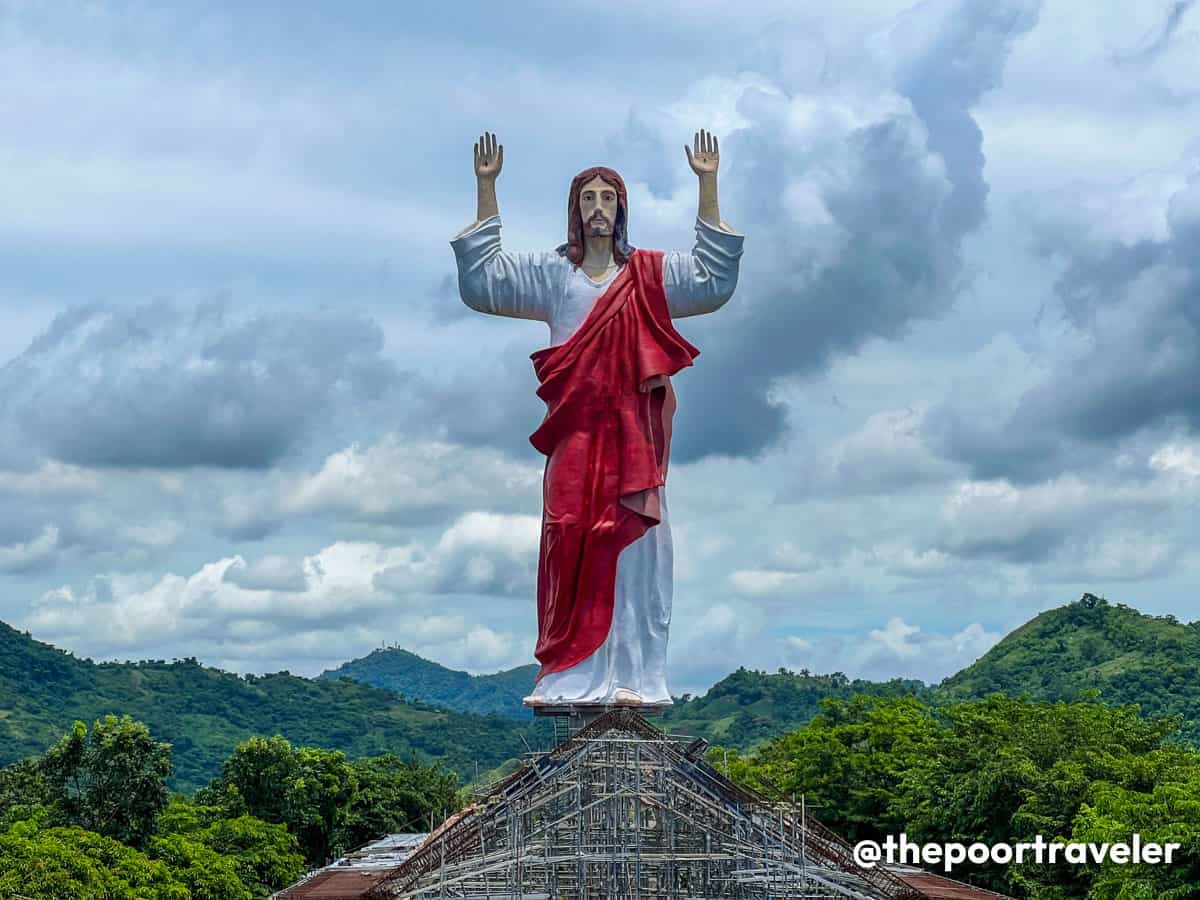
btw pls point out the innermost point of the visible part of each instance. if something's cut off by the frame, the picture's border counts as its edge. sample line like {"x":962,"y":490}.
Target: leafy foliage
{"x":1167,"y":812}
{"x":53,"y":863}
{"x":24,"y":792}
{"x":307,"y":789}
{"x":848,"y":762}
{"x":330,"y":804}
{"x":110,"y":780}
{"x":395,"y":797}
{"x":265,"y":857}
{"x":995,"y":770}
{"x":210,"y":847}
{"x":205,"y":872}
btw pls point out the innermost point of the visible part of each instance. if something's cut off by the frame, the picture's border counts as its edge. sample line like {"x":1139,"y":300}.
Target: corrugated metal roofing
{"x":349,"y":884}
{"x":937,"y":887}
{"x":355,"y":873}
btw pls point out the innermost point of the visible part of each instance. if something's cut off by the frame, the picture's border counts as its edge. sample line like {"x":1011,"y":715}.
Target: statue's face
{"x":598,"y":208}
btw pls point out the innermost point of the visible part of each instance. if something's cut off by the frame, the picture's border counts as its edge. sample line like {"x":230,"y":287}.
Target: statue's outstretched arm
{"x":703,"y":281}
{"x":490,"y":279}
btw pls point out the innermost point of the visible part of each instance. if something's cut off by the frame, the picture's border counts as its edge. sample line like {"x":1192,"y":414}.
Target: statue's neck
{"x":597,"y":252}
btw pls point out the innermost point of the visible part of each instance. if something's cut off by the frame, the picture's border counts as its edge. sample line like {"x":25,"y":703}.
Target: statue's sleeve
{"x":704,"y":279}
{"x":493,"y":280}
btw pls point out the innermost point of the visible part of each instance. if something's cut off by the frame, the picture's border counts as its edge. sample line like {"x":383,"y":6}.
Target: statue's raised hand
{"x":705,"y":156}
{"x":489,"y":157}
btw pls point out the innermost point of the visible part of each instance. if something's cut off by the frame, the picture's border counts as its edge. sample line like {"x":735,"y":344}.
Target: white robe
{"x":547,"y":287}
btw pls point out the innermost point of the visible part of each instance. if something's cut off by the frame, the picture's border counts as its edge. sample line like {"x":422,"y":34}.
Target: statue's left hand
{"x":705,"y":156}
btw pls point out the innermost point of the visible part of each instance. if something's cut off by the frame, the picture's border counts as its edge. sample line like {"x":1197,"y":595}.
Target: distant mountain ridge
{"x":425,"y":681}
{"x":1091,"y":644}
{"x":744,"y":707}
{"x":204,"y":713}
{"x":749,"y":706}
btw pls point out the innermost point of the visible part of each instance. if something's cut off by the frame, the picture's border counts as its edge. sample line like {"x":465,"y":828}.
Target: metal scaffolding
{"x":621,"y":810}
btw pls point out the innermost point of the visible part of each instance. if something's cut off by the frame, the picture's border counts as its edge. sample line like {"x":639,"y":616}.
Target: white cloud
{"x":887,"y":454}
{"x":274,"y":572}
{"x":384,"y":487}
{"x":168,"y":386}
{"x":51,"y":477}
{"x":230,"y":606}
{"x":393,"y":476}
{"x":757,"y":582}
{"x":1182,"y":459}
{"x":911,"y":562}
{"x":1065,"y":97}
{"x":30,"y":554}
{"x":899,"y":649}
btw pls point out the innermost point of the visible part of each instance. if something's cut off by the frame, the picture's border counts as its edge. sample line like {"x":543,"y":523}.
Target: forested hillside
{"x":997,"y":770}
{"x":1091,"y":644}
{"x":419,"y":679}
{"x":204,"y":713}
{"x":748,"y":706}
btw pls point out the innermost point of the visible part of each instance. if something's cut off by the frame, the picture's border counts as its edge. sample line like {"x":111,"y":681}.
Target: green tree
{"x":1007,"y":770}
{"x":262,"y":773}
{"x":207,"y":874}
{"x":1168,"y":813}
{"x":267,"y":857}
{"x":848,"y":762}
{"x":110,"y":780}
{"x":305,"y":788}
{"x":23,"y":791}
{"x":61,"y":863}
{"x":184,"y":816}
{"x":998,"y":770}
{"x":396,"y":796}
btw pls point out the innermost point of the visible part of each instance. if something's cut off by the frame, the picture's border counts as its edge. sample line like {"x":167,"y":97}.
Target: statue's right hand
{"x":489,"y":158}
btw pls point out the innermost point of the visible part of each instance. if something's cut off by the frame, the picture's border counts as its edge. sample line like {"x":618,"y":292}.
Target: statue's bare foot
{"x":533,"y":700}
{"x":624,"y":695}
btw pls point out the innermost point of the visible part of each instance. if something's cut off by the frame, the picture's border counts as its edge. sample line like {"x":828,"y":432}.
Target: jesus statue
{"x":605,"y":563}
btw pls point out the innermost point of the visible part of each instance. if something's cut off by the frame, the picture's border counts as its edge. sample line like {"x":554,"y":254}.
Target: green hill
{"x":1091,"y":644}
{"x":204,"y":713}
{"x":419,"y":679}
{"x":750,"y":706}
{"x":1129,"y":657}
{"x":742,"y":709}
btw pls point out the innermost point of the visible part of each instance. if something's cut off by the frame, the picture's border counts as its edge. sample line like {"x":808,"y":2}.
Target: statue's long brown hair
{"x":573,"y":248}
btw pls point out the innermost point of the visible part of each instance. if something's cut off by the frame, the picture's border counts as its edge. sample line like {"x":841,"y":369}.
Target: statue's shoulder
{"x":650,"y":260}
{"x":556,"y":258}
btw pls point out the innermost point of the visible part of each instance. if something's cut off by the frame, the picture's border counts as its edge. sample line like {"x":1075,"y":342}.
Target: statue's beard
{"x":597,"y":226}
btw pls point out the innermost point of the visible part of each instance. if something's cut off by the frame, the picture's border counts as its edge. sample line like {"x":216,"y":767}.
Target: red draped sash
{"x":606,"y":436}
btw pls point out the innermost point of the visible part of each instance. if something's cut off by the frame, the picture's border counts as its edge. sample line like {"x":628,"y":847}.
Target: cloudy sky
{"x":244,"y":415}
